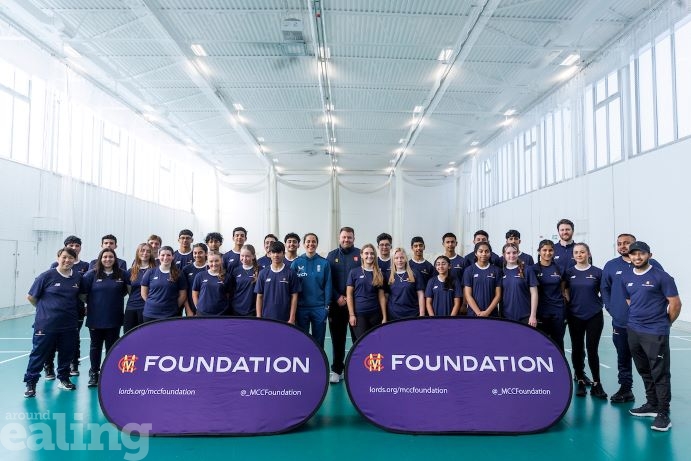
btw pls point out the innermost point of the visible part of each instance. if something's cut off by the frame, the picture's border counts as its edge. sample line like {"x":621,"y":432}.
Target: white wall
{"x":41,"y":208}
{"x":366,"y":203}
{"x":645,"y":196}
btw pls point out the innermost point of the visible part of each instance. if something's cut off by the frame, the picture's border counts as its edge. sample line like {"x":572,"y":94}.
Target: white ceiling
{"x":382,"y":62}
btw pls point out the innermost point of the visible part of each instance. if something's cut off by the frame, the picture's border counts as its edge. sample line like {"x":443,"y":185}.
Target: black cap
{"x":639,"y":246}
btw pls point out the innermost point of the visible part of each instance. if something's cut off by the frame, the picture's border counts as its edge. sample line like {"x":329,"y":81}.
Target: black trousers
{"x":338,"y":327}
{"x":99,"y":337}
{"x":133,"y":318}
{"x":554,"y":327}
{"x":365,"y":322}
{"x":585,"y":336}
{"x":651,"y":356}
{"x":620,"y":338}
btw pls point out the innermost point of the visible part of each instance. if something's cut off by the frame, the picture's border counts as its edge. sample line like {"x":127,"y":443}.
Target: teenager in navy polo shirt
{"x":214,"y":241}
{"x":654,"y":305}
{"x":183,"y":255}
{"x":550,"y":300}
{"x":55,"y":294}
{"x":406,"y":289}
{"x":478,"y":237}
{"x":384,"y":241}
{"x":277,"y":288}
{"x":243,"y":302}
{"x":457,"y":261}
{"x":232,"y":257}
{"x":103,"y":289}
{"x":585,"y":319}
{"x":265,"y":261}
{"x":292,"y":244}
{"x":111,"y":242}
{"x":518,"y":288}
{"x":164,"y":288}
{"x":514,"y":237}
{"x":155,"y":243}
{"x":443,"y":293}
{"x":418,"y":262}
{"x":190,"y":271}
{"x":211,"y":288}
{"x":365,"y":294}
{"x":75,"y":243}
{"x":482,"y":284}
{"x":134,"y":309}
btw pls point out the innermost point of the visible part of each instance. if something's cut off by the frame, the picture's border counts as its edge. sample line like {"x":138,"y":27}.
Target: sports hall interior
{"x":415,"y":117}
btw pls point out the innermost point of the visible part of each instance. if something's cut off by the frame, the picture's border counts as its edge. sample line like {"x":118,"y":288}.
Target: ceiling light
{"x":452,"y":163}
{"x":473,"y":151}
{"x":510,"y":112}
{"x":330,"y":107}
{"x":275,"y":160}
{"x":238,"y":106}
{"x":260,"y":139}
{"x":198,"y":50}
{"x":71,"y":52}
{"x":570,"y":59}
{"x":401,"y":141}
{"x":475,"y":143}
{"x":417,"y":109}
{"x":445,"y":55}
{"x":333,"y":139}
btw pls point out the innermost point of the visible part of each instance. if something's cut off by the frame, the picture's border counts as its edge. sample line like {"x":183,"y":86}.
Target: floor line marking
{"x":15,"y":358}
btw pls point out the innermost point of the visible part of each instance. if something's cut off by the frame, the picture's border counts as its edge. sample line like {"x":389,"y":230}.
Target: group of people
{"x":358,"y":288}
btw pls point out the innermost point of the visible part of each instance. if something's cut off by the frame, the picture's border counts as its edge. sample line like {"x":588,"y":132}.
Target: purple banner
{"x":219,"y":376}
{"x":458,"y":375}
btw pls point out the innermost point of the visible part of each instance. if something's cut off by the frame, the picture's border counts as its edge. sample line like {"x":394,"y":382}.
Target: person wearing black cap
{"x":654,"y":305}
{"x":614,"y":298}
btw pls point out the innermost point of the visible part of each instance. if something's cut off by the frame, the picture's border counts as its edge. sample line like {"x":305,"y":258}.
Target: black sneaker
{"x":580,"y":389}
{"x":74,"y":370}
{"x":66,"y":384}
{"x":623,"y":395}
{"x":30,"y":390}
{"x":645,"y":410}
{"x":49,"y":371}
{"x":661,"y":422}
{"x":598,"y":392}
{"x":93,"y":379}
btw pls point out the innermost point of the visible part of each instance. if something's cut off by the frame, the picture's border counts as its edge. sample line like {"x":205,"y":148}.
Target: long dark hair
{"x":521,"y":264}
{"x":174,"y":271}
{"x":101,"y":271}
{"x":540,"y":245}
{"x":449,"y":283}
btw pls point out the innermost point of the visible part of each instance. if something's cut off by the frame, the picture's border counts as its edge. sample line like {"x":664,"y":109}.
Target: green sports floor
{"x":591,"y":430}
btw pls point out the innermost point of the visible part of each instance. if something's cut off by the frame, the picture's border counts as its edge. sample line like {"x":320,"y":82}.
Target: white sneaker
{"x":335,"y":378}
